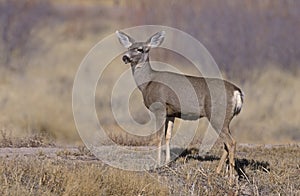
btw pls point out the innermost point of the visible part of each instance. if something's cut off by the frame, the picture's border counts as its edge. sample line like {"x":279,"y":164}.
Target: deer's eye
{"x":140,"y":50}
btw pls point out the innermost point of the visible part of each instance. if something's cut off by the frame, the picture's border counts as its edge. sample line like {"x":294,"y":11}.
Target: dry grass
{"x":32,"y":140}
{"x":263,"y":170}
{"x":34,"y":176}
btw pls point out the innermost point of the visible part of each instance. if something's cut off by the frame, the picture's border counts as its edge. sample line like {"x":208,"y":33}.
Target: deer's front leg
{"x":160,"y":122}
{"x":160,"y":117}
{"x":168,"y":132}
{"x":159,"y":140}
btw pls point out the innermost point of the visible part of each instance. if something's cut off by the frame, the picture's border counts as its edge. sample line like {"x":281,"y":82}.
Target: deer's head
{"x":138,"y":52}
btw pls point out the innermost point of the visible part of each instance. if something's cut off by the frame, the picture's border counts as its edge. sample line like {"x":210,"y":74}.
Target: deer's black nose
{"x":126,"y":59}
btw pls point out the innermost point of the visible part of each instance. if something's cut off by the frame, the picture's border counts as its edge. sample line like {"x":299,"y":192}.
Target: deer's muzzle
{"x":126,"y":59}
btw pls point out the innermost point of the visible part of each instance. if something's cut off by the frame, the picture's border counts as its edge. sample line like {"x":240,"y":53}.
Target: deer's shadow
{"x":240,"y":163}
{"x":192,"y":154}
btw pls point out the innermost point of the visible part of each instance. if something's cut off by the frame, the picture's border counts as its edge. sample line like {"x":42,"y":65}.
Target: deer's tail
{"x":238,"y":99}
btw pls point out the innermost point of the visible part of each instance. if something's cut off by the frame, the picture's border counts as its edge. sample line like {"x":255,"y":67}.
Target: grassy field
{"x":42,"y":44}
{"x":54,"y":170}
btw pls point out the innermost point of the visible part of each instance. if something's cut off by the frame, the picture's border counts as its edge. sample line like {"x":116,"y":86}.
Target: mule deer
{"x":165,"y":94}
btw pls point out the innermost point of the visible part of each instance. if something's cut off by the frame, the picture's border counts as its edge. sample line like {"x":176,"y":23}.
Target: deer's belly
{"x":187,"y":113}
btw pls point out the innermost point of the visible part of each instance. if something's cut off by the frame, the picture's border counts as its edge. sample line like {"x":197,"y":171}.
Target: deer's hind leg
{"x":229,"y":152}
{"x":223,"y":159}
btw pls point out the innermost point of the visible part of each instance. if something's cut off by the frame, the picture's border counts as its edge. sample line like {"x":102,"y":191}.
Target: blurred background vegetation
{"x":255,"y":43}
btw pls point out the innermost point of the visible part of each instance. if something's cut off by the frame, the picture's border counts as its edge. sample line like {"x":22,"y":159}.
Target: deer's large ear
{"x":156,"y":39}
{"x":124,"y":39}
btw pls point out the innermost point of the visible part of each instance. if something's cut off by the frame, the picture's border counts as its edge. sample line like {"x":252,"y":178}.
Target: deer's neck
{"x":142,"y":74}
